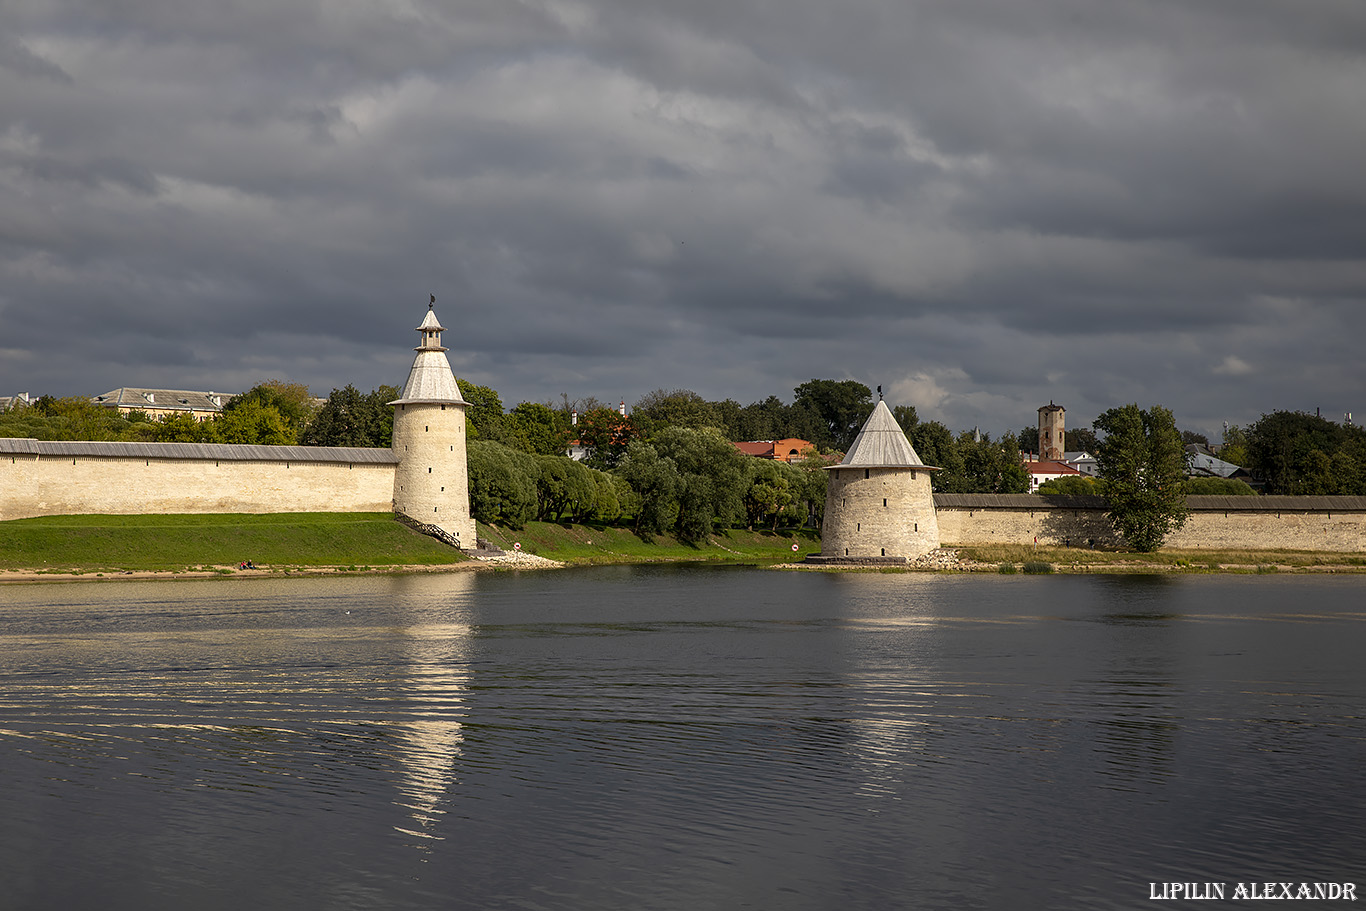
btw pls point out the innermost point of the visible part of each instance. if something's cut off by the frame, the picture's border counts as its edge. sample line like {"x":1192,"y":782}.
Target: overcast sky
{"x":982,"y":205}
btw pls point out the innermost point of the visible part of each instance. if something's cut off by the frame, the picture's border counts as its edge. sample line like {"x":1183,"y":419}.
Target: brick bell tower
{"x":1051,"y":432}
{"x":431,"y":484}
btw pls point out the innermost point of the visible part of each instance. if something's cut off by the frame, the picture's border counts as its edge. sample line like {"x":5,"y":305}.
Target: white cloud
{"x":1232,"y":365}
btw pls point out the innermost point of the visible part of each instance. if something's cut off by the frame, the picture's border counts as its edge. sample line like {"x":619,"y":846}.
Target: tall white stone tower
{"x":878,"y":504}
{"x":431,"y":485}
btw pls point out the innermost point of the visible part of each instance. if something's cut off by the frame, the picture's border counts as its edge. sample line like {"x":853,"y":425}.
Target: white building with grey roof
{"x":160,"y":403}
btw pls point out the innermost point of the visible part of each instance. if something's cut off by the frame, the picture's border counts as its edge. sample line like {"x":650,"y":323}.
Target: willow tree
{"x":1143,"y":465}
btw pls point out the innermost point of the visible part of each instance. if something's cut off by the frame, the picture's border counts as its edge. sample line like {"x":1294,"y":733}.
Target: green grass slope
{"x":585,"y":544}
{"x":174,"y":542}
{"x":178,"y":542}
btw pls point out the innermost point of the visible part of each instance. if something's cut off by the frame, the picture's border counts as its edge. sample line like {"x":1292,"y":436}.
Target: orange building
{"x":789,"y":450}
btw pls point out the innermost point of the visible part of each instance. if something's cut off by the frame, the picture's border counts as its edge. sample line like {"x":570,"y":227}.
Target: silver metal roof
{"x":882,"y":444}
{"x":430,"y":380}
{"x":227,"y":452}
{"x":137,"y":397}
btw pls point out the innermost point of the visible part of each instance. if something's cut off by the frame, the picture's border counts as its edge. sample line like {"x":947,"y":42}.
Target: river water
{"x":677,"y":738}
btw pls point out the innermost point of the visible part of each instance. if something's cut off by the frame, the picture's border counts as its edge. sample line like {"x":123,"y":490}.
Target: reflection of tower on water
{"x":430,"y":742}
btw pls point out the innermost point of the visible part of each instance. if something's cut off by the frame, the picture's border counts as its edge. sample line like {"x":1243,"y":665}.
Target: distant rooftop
{"x":136,"y":398}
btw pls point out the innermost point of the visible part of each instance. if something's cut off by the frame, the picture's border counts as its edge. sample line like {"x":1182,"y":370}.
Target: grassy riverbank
{"x":587,"y":544}
{"x":158,"y":543}
{"x":63,"y":545}
{"x":180,"y":543}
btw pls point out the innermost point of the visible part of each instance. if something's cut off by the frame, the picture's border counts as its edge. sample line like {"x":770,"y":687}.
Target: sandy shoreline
{"x":941,"y":561}
{"x":229,"y":571}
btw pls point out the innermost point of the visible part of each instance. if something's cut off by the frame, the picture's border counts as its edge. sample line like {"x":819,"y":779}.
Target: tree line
{"x":669,"y":466}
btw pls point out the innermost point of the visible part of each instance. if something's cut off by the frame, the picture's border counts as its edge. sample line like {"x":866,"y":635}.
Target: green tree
{"x":1234,"y":450}
{"x":906,"y":418}
{"x":1082,"y":439}
{"x":728,"y":414}
{"x":841,"y":405}
{"x":1073,"y":485}
{"x":936,"y":447}
{"x":767,"y":420}
{"x":714,"y":476}
{"x":606,"y":434}
{"x":253,"y":423}
{"x":1298,"y":453}
{"x":674,"y":408}
{"x":770,"y":493}
{"x":74,"y":418}
{"x":814,"y":482}
{"x":1143,"y":464}
{"x":502,"y":489}
{"x":989,"y":466}
{"x":563,"y":486}
{"x":609,"y":496}
{"x":655,"y":485}
{"x":181,"y":428}
{"x":350,"y":418}
{"x":484,"y":412}
{"x":291,"y":400}
{"x":537,"y":429}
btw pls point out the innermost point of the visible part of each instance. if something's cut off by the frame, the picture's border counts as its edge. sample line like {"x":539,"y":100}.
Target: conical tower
{"x":431,"y":485}
{"x":878,"y":503}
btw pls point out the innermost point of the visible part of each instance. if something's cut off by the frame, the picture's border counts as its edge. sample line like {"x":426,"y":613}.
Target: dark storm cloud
{"x":980,"y":205}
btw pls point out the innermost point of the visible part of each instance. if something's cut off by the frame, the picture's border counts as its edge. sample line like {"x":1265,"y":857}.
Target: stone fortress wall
{"x":422,"y":476}
{"x":44,"y":479}
{"x":1336,"y":524}
{"x":66,"y":478}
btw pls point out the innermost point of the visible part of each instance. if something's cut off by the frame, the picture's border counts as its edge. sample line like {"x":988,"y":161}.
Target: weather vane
{"x":433,"y":304}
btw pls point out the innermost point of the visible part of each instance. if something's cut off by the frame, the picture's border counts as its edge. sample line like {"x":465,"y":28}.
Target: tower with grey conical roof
{"x":878,"y":503}
{"x":431,"y":483}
